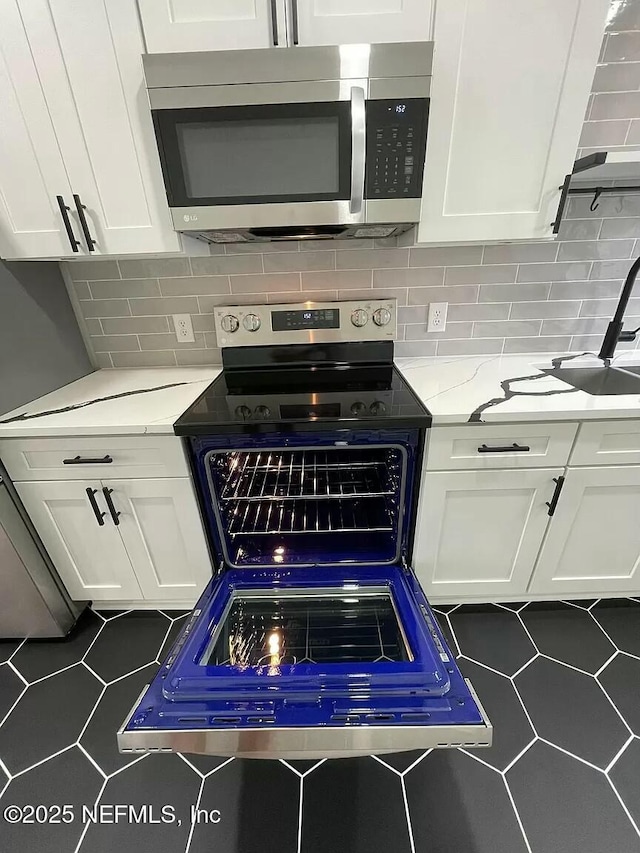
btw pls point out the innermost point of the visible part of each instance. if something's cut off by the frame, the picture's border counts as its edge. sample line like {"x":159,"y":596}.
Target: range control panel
{"x":396,"y":143}
{"x":306,"y":322}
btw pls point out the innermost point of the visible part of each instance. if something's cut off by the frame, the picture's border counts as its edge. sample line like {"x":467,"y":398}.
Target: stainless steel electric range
{"x":313,"y":638}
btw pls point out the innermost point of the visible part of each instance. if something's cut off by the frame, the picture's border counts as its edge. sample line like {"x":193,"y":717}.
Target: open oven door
{"x":305,"y":663}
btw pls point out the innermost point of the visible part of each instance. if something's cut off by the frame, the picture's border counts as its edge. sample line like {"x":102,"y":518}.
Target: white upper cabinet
{"x":510,"y":87}
{"x":315,"y":22}
{"x":32,"y":172}
{"x":175,"y":26}
{"x":88,"y":56}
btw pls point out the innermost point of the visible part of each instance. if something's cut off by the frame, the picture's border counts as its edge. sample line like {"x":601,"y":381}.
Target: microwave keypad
{"x":396,"y":140}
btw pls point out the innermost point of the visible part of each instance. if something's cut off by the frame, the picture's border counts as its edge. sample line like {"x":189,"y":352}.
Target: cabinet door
{"x":479,"y":532}
{"x":32,"y":173}
{"x":508,"y":97}
{"x":593,"y":543}
{"x":89,"y":59}
{"x":173,"y":26}
{"x":359,"y":21}
{"x":91,"y":559}
{"x":161,"y":529}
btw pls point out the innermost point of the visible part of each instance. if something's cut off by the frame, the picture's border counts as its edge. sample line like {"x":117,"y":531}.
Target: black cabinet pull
{"x":83,"y":222}
{"x":274,"y":22}
{"x":82,"y":460}
{"x":294,"y":20}
{"x":94,"y":506}
{"x":64,"y":210}
{"x":507,"y":448}
{"x":553,"y":503}
{"x":115,"y":515}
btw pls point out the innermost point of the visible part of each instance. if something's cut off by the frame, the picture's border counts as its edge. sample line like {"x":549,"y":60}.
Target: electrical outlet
{"x":184,"y":328}
{"x":437,"y":317}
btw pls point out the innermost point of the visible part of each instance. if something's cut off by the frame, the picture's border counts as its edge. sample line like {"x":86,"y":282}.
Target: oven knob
{"x":251,"y":322}
{"x":381,"y":316}
{"x":358,"y":408}
{"x":359,"y":317}
{"x":262,"y":411}
{"x":229,"y":323}
{"x":377,"y":408}
{"x":243,"y":412}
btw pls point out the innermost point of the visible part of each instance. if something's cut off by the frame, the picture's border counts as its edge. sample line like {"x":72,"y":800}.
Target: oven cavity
{"x":306,"y":506}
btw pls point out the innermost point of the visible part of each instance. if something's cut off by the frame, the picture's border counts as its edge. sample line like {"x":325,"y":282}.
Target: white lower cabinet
{"x":90,"y":558}
{"x":156,"y":551}
{"x":593,"y":544}
{"x":160,"y":528}
{"x":478,"y":533}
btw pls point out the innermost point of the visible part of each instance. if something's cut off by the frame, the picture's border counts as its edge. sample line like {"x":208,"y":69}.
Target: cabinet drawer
{"x":483,"y":447}
{"x":607,"y":443}
{"x":86,"y":458}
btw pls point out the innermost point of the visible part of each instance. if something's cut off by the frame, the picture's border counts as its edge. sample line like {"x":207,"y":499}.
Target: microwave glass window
{"x":276,"y":630}
{"x":254,"y":158}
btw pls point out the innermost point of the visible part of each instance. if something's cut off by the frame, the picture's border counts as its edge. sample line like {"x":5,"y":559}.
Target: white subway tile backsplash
{"x":545,"y":296}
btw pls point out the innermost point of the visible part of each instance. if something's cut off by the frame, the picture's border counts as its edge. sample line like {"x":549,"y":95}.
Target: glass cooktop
{"x":304,"y":398}
{"x":308,"y":627}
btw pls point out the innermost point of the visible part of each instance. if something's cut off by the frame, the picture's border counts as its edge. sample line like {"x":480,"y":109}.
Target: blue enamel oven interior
{"x":307,"y":499}
{"x":308,"y":627}
{"x":424,"y":687}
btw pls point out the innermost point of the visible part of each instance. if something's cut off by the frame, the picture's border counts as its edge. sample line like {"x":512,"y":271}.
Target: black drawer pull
{"x":507,"y":448}
{"x":94,"y":506}
{"x":81,"y":460}
{"x":553,"y":503}
{"x":80,"y":207}
{"x":115,"y":515}
{"x":64,"y":210}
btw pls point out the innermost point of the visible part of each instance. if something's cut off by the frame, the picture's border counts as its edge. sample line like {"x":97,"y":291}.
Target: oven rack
{"x":248,"y":518}
{"x":313,"y":475}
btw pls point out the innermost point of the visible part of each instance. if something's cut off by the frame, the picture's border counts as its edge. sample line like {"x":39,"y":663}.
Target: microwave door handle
{"x":358,"y":148}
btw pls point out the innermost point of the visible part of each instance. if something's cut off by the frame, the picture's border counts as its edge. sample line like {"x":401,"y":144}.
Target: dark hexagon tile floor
{"x":114,"y":705}
{"x":457,"y":804}
{"x":621,"y":680}
{"x":625,"y":775}
{"x":354,"y":806}
{"x":511,"y":728}
{"x":567,"y":634}
{"x":7,"y":648}
{"x":493,"y":636}
{"x":445,"y":801}
{"x":620,"y":618}
{"x":67,"y":779}
{"x":127,"y":643}
{"x":38,"y":658}
{"x":48,"y":717}
{"x":566,"y":806}
{"x":258,"y":803}
{"x":569,"y":709}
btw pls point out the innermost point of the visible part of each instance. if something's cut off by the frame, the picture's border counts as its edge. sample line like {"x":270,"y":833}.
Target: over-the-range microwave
{"x":293,"y":143}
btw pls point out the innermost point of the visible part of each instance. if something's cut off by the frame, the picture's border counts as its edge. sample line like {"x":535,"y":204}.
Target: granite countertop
{"x":112,"y":402}
{"x":507,"y":388}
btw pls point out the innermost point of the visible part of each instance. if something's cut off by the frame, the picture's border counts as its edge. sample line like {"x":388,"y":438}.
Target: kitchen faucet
{"x":615,"y":331}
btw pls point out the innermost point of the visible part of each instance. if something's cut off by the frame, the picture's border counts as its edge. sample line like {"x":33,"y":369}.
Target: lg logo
{"x":190,"y":217}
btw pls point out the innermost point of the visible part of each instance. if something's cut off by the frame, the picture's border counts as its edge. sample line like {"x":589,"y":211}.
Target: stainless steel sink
{"x":599,"y":381}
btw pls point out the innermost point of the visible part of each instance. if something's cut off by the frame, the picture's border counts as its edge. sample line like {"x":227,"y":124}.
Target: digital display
{"x":306,"y":318}
{"x":398,"y":109}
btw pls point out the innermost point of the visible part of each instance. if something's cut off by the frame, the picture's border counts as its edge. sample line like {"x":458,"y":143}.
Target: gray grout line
{"x":94,"y":673}
{"x":571,"y":754}
{"x":13,"y":667}
{"x":623,"y":804}
{"x":519,"y":755}
{"x":190,"y":765}
{"x":606,"y":663}
{"x":615,"y":758}
{"x":4,"y":719}
{"x":43,"y":761}
{"x":6,"y":770}
{"x":89,"y":718}
{"x":91,"y":760}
